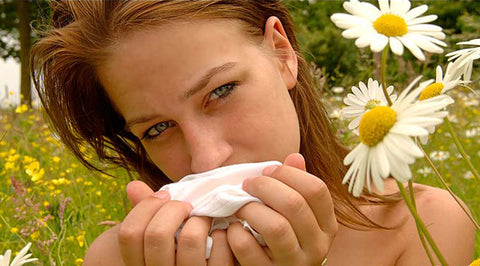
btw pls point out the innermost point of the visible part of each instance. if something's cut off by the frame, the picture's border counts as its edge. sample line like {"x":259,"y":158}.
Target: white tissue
{"x":218,"y":193}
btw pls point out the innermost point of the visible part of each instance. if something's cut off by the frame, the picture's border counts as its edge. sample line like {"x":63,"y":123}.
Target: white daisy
{"x":439,"y":155}
{"x":21,"y":258}
{"x":442,"y":84}
{"x":394,"y":24}
{"x":464,"y":58}
{"x":386,"y":146}
{"x":363,"y":99}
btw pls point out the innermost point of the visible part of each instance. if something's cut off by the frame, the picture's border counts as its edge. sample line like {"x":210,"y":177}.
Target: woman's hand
{"x":297,"y":221}
{"x":146,"y":236}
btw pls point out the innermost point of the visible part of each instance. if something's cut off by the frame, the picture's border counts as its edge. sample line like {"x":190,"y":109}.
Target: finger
{"x":132,"y":229}
{"x":295,"y":160}
{"x":245,"y":247}
{"x":291,"y":205}
{"x":159,"y":239}
{"x":313,"y":190}
{"x":137,"y":191}
{"x":275,"y":229}
{"x":221,"y":253}
{"x":191,"y":242}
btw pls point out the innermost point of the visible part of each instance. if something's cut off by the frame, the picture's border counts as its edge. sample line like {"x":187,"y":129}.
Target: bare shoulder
{"x":450,"y":227}
{"x":104,"y":250}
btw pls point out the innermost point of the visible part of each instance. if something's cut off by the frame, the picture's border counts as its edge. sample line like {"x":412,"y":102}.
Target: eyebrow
{"x":206,"y":79}
{"x":199,"y":85}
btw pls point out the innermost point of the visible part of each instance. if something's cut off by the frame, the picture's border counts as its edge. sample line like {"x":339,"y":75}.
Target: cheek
{"x":267,"y":126}
{"x":171,"y":159}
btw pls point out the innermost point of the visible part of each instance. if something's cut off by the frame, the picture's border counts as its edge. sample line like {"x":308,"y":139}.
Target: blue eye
{"x":222,"y":91}
{"x":157,"y":129}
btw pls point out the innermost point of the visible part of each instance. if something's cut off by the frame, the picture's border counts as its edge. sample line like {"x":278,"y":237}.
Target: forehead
{"x":170,"y":56}
{"x":178,"y":42}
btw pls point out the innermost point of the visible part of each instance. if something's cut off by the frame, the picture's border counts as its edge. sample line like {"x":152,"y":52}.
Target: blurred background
{"x":48,"y":198}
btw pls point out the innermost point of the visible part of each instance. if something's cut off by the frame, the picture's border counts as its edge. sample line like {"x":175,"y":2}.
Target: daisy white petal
{"x":21,"y":258}
{"x":415,"y":12}
{"x":464,"y":58}
{"x":400,"y":7}
{"x":376,"y":171}
{"x":355,"y":123}
{"x":424,"y":19}
{"x":383,"y":4}
{"x":396,"y":46}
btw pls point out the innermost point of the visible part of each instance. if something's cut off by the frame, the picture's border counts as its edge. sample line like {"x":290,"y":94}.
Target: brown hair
{"x":64,"y":63}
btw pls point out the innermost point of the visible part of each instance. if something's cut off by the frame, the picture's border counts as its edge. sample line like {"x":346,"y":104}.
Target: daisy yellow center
{"x":375,"y":124}
{"x":372,"y":103}
{"x":430,"y":91}
{"x":390,"y":25}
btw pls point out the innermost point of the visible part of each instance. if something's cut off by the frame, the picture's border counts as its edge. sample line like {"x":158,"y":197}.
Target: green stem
{"x":419,"y":222}
{"x":442,"y":180}
{"x":461,"y":150}
{"x":420,"y":234}
{"x":383,"y":66}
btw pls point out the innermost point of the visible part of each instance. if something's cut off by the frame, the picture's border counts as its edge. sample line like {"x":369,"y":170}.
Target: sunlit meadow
{"x":47,"y":197}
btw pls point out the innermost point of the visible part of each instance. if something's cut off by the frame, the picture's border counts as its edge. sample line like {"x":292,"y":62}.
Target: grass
{"x":49,"y":199}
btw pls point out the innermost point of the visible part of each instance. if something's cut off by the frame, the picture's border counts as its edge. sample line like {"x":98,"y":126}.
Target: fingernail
{"x":161,"y":194}
{"x":269,"y":170}
{"x":244,"y":183}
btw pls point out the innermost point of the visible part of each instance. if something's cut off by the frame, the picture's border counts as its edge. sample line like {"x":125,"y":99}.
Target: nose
{"x":207,"y":146}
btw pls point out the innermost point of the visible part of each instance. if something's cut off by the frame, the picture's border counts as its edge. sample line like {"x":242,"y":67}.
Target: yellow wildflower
{"x":35,"y":235}
{"x":34,"y":171}
{"x":14,"y":230}
{"x":27,"y":159}
{"x":81,"y":239}
{"x":12,"y":157}
{"x":9,"y":165}
{"x":46,"y":204}
{"x":56,"y":159}
{"x":98,"y":193}
{"x":79,"y":261}
{"x":21,"y":109}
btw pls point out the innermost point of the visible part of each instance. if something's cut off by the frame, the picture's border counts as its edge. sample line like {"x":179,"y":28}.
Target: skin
{"x":147,"y":77}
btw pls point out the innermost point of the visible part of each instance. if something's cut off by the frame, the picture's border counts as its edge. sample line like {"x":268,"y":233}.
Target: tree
{"x":23,"y":7}
{"x":16,"y":36}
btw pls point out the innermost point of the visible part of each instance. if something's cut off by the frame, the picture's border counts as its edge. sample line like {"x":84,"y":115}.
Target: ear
{"x":277,"y":41}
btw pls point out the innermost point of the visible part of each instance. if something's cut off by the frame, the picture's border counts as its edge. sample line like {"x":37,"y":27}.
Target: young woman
{"x":171,"y":88}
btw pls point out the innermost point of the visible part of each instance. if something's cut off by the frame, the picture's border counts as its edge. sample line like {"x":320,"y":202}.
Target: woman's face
{"x":201,"y":94}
